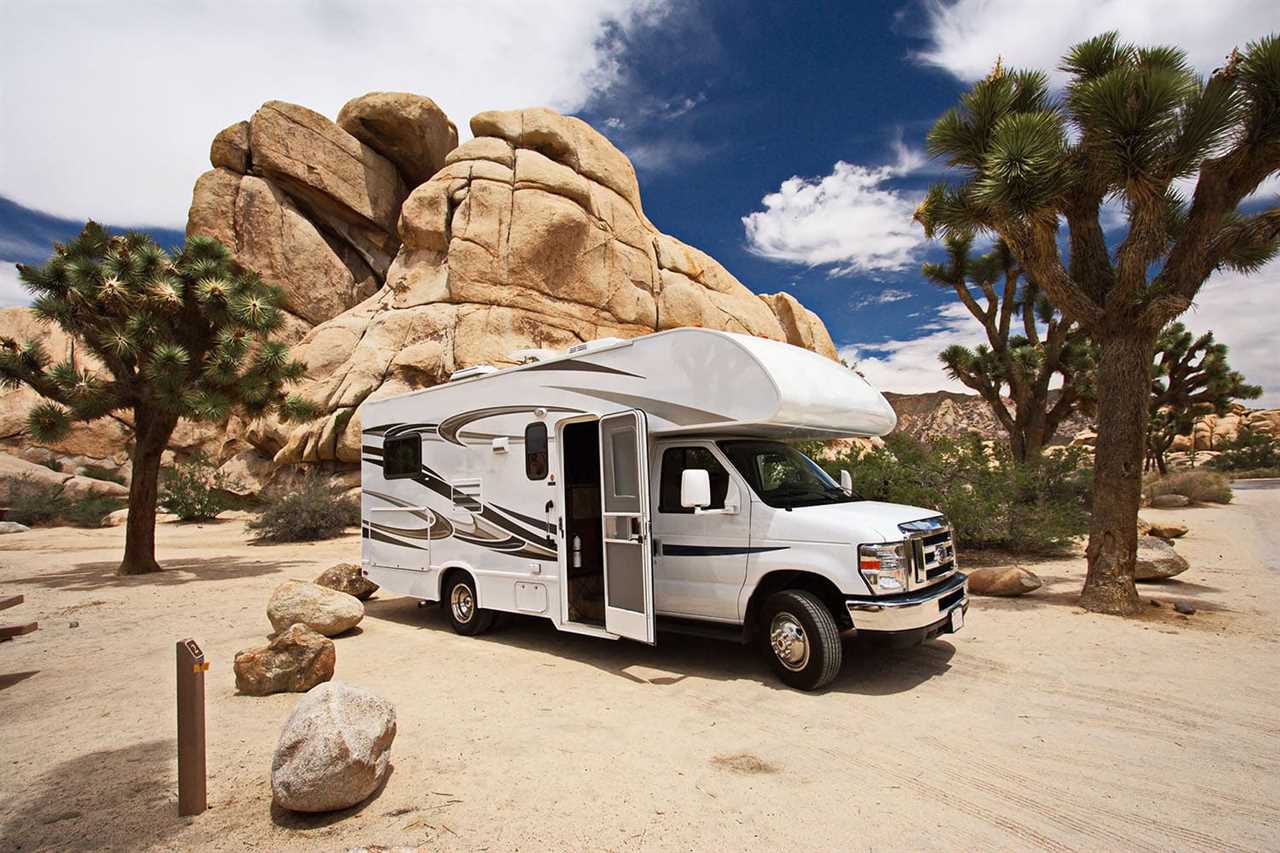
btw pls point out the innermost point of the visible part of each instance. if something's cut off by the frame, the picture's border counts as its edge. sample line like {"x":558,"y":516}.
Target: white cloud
{"x":1240,"y":310}
{"x":883,"y":297}
{"x":848,"y":220}
{"x":966,"y":36}
{"x":109,"y":108}
{"x":912,"y":366}
{"x":664,"y":155}
{"x":11,"y":290}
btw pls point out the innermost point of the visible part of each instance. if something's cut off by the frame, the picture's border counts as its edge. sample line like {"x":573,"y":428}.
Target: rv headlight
{"x":884,"y":566}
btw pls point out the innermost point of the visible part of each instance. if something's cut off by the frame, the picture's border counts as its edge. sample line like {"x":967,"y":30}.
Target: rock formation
{"x":403,"y":257}
{"x":531,"y":236}
{"x":1005,"y":581}
{"x":1157,"y":560}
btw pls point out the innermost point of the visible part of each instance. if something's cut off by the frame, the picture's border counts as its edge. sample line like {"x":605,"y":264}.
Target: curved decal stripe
{"x":379,"y":536}
{"x":714,"y":550}
{"x":448,"y":429}
{"x":580,"y":365}
{"x":540,"y":523}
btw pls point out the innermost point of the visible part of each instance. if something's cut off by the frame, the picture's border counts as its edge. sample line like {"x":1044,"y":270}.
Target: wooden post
{"x":191,"y":769}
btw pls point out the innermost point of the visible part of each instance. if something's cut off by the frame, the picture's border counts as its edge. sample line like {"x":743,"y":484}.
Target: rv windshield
{"x":783,"y":476}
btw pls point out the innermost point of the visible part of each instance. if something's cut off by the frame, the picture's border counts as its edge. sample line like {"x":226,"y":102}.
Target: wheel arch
{"x":779,"y":579}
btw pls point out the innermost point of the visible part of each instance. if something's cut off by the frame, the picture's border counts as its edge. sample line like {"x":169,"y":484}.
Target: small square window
{"x":402,"y":457}
{"x":536,"y":461}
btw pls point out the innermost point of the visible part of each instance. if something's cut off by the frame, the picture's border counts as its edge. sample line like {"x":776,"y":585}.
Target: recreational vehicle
{"x":625,"y":487}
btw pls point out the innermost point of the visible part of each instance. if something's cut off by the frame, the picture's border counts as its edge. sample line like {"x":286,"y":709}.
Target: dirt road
{"x":1038,"y":727}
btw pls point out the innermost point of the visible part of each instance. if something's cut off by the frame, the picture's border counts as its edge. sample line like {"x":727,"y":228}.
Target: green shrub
{"x":37,"y":504}
{"x":193,"y":490}
{"x":1198,"y":485}
{"x":97,"y":472}
{"x":1249,"y":450}
{"x":990,"y":500}
{"x":313,"y":510}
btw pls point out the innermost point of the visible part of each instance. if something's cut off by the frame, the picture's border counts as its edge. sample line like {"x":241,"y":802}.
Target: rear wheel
{"x":460,"y":606}
{"x":800,"y":639}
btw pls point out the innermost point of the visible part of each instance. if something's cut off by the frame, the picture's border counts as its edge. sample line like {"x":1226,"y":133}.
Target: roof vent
{"x":469,"y":372}
{"x":598,"y":343}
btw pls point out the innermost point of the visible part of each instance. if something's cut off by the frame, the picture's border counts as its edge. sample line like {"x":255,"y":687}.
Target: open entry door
{"x":628,"y":555}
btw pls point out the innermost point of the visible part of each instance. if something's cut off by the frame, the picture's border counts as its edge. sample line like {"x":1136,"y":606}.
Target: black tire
{"x":803,"y":619}
{"x":466,"y":619}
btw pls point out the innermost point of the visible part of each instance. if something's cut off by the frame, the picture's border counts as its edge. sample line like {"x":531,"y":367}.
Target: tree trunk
{"x":1124,"y":385}
{"x":151,"y":436}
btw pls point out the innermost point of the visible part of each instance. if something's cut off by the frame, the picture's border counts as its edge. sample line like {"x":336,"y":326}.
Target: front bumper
{"x":910,"y":611}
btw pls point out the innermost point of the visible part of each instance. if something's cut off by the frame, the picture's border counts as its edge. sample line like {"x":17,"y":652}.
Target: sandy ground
{"x":1038,"y":727}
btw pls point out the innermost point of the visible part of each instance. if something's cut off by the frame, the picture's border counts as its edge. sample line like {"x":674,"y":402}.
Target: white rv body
{"x":475,"y":502}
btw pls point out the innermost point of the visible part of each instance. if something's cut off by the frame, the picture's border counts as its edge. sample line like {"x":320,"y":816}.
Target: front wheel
{"x":459,"y":601}
{"x":801,"y":639}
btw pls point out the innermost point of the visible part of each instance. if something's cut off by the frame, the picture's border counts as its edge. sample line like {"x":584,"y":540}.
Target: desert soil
{"x":1038,"y":727}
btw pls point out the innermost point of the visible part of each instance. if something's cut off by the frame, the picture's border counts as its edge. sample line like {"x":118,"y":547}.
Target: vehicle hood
{"x":855,"y":522}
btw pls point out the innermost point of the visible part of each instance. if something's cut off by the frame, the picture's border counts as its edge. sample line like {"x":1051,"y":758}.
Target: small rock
{"x":335,"y":749}
{"x":1169,"y":501}
{"x":346,"y":577}
{"x":13,"y":527}
{"x":73,"y":624}
{"x":1184,"y":609}
{"x":321,"y":609}
{"x":1009,"y":580}
{"x":1154,"y":603}
{"x":294,"y":661}
{"x":1144,"y":526}
{"x":1168,"y":530}
{"x":1157,"y":560}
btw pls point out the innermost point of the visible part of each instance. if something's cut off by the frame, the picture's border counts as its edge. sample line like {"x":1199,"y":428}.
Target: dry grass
{"x":1198,"y":486}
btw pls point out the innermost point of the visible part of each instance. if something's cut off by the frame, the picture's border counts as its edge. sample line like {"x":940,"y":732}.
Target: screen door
{"x":628,"y":557}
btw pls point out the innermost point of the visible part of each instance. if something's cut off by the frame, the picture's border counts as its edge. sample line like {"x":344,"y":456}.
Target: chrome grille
{"x":932,"y":548}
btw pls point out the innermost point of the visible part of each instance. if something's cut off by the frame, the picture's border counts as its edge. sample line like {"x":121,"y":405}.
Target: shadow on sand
{"x":869,"y":669}
{"x":67,"y":806}
{"x":86,"y":577}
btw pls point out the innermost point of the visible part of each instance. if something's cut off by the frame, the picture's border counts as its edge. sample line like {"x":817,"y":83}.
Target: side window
{"x":536,"y":463}
{"x":674,"y":462}
{"x":402,"y":457}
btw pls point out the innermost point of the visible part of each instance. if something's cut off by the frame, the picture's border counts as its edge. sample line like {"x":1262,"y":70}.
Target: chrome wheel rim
{"x":462,"y":603}
{"x":789,"y":641}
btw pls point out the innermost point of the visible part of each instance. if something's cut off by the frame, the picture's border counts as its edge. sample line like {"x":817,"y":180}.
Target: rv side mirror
{"x":695,"y":488}
{"x":846,"y":481}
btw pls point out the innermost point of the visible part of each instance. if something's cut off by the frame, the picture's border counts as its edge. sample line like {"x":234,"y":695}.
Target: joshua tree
{"x":1192,"y":378}
{"x":187,"y":336}
{"x":1132,"y":121}
{"x":1024,"y":362}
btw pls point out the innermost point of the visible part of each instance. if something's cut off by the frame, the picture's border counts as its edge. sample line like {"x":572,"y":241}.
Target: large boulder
{"x":1157,"y":560}
{"x":531,"y":236}
{"x":13,"y":527}
{"x":409,"y":130}
{"x":1003,"y":581}
{"x":267,"y":233}
{"x":1170,"y":501}
{"x":321,"y":609}
{"x":343,"y":184}
{"x":346,"y":577}
{"x":335,"y":749}
{"x":295,"y":660}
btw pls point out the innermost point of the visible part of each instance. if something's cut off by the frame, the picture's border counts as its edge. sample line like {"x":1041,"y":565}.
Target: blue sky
{"x":783,"y":139}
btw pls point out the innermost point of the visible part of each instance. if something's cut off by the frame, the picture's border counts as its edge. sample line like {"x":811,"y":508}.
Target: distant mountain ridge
{"x":948,"y":414}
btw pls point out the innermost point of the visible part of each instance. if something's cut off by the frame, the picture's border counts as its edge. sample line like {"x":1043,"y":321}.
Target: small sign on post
{"x":191,"y":770}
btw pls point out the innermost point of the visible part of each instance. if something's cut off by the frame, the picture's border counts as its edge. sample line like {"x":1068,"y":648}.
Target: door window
{"x":535,"y":451}
{"x":675,"y":460}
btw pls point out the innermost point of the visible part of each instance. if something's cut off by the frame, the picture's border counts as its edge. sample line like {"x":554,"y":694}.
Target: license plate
{"x":957,"y":619}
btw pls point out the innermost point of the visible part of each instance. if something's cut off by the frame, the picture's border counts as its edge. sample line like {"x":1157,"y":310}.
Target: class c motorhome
{"x":629,"y":486}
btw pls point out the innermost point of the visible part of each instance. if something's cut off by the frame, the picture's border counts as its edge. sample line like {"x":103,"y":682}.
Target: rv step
{"x":697,"y":628}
